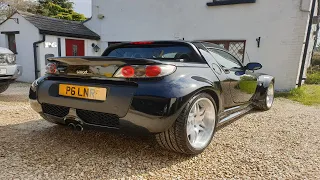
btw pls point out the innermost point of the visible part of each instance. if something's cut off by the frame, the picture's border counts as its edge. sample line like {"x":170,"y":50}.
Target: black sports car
{"x":180,"y":91}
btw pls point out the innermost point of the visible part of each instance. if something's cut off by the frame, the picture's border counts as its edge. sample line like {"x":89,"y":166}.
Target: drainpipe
{"x":35,"y":54}
{"x":306,"y":46}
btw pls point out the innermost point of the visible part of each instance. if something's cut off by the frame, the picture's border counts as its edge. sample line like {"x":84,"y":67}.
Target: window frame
{"x":10,"y":45}
{"x":12,"y":33}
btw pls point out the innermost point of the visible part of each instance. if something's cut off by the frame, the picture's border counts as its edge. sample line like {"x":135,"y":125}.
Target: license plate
{"x":3,"y":71}
{"x":83,"y":92}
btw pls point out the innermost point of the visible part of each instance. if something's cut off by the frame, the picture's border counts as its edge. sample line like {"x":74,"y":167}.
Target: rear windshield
{"x":159,"y":52}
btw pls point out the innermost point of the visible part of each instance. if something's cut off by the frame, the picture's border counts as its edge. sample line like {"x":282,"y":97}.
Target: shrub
{"x":313,"y":78}
{"x":315,"y":60}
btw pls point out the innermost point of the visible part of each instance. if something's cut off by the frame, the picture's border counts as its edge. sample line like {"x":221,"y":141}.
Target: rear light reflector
{"x":127,"y":71}
{"x":153,"y":71}
{"x":144,"y":71}
{"x":51,"y":68}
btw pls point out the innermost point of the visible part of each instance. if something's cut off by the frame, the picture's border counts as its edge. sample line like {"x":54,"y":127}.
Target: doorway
{"x":74,"y":47}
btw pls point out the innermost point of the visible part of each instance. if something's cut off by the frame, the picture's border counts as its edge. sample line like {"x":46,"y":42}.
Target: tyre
{"x":268,"y":99}
{"x":4,"y":87}
{"x":193,"y":130}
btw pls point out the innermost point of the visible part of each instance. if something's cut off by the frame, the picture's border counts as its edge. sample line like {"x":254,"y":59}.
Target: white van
{"x":9,"y":70}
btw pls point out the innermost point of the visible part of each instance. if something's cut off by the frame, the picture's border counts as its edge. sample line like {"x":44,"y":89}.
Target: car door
{"x":242,"y":83}
{"x":225,"y":87}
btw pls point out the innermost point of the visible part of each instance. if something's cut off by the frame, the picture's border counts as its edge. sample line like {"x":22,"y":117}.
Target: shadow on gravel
{"x":42,"y":144}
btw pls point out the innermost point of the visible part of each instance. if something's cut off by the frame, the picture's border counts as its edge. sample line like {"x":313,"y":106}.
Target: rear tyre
{"x":193,"y":131}
{"x":4,"y":87}
{"x":268,"y":100}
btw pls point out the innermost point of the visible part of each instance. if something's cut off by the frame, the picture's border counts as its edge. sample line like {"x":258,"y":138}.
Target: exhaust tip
{"x":79,"y":127}
{"x":72,"y":126}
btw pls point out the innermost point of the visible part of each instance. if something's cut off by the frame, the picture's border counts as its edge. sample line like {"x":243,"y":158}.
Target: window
{"x":12,"y":43}
{"x":235,"y":47}
{"x":169,"y":52}
{"x":225,"y":59}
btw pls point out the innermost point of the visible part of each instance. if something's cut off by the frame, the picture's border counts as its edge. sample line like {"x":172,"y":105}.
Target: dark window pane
{"x":158,"y":52}
{"x":12,"y":42}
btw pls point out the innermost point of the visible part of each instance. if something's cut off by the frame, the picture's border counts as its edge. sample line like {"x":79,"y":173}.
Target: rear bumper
{"x":123,"y":109}
{"x":12,"y":72}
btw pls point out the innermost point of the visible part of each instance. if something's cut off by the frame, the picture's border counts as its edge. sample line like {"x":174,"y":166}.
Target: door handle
{"x":227,"y":71}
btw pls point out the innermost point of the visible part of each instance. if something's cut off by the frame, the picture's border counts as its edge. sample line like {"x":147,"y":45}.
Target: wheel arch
{"x":214,"y":93}
{"x":215,"y":97}
{"x":262,"y":86}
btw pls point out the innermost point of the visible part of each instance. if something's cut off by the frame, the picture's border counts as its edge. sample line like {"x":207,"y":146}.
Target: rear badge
{"x":82,"y":72}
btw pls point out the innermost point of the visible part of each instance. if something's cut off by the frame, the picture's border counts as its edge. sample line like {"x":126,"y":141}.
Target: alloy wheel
{"x":201,"y":123}
{"x":270,"y":95}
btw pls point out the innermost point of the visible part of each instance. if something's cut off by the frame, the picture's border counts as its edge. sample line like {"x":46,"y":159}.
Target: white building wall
{"x":280,"y":24}
{"x":42,"y":50}
{"x":24,"y":40}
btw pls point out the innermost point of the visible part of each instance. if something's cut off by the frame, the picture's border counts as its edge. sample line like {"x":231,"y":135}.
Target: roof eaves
{"x":93,"y":37}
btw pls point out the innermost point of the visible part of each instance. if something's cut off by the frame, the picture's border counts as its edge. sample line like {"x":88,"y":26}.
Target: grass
{"x":307,"y":94}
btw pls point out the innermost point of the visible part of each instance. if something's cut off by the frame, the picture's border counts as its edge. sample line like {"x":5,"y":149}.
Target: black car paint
{"x":152,"y":104}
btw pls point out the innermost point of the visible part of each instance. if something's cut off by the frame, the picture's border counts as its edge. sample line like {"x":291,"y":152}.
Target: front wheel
{"x":4,"y":87}
{"x":194,"y":129}
{"x":268,"y":100}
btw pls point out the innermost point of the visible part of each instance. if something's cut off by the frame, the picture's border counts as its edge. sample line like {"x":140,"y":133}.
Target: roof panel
{"x":60,"y":27}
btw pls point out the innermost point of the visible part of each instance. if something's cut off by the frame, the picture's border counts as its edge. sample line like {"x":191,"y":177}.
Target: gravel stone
{"x":283,"y":143}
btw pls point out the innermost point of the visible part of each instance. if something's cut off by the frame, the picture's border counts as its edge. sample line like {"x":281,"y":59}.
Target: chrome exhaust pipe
{"x":79,"y":127}
{"x":72,"y":126}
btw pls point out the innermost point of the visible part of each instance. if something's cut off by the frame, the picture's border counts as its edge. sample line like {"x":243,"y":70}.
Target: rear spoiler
{"x":96,"y":61}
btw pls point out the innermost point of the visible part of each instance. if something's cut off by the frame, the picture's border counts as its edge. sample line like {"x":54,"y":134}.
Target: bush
{"x":315,"y":61}
{"x":313,"y":78}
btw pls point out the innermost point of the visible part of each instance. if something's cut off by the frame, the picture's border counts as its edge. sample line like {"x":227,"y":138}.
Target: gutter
{"x":306,"y":46}
{"x":35,"y":54}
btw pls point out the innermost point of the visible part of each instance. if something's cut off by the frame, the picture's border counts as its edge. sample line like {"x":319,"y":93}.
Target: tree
{"x":61,"y":9}
{"x":8,"y":7}
{"x":63,"y":3}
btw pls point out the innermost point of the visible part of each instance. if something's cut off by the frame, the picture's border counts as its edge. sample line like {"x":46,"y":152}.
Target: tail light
{"x":142,"y":43}
{"x":149,"y":71}
{"x":51,"y":68}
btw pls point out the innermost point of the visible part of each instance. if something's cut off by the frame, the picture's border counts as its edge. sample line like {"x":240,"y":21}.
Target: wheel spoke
{"x":189,"y":129}
{"x":193,"y":136}
{"x":191,"y":120}
{"x":202,"y":111}
{"x":201,"y":127}
{"x":196,"y":108}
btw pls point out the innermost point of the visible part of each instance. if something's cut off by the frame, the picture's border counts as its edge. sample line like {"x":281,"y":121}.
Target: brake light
{"x":142,"y":42}
{"x":153,"y":71}
{"x":145,"y":71}
{"x":51,"y":68}
{"x":127,"y":71}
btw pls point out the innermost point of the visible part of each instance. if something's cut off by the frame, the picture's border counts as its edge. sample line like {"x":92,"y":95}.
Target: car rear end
{"x":129,"y":86}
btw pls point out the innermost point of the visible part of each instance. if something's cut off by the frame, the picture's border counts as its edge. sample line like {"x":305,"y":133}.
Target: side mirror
{"x":253,"y":66}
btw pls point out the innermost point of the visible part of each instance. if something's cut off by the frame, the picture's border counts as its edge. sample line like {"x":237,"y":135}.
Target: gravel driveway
{"x":282,"y":143}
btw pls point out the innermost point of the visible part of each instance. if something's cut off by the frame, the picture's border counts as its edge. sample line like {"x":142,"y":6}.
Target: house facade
{"x":271,"y":32}
{"x":34,"y":38}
